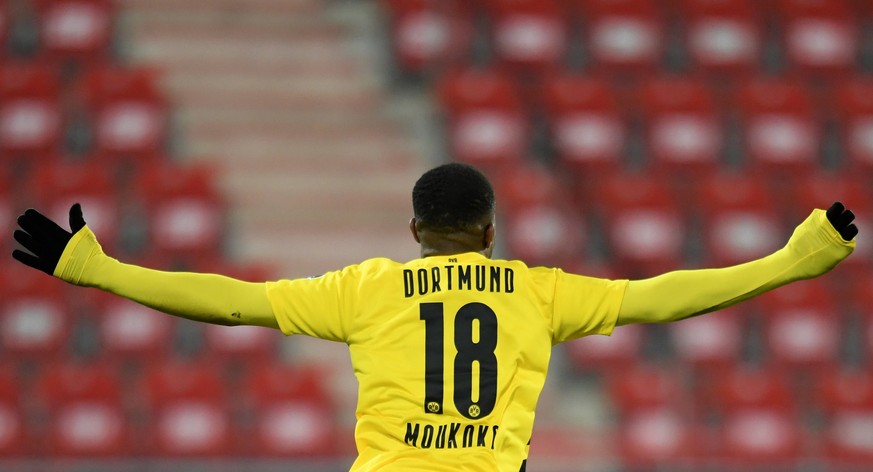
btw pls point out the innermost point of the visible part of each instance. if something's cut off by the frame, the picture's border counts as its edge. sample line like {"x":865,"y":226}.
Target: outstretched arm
{"x":817,"y":246}
{"x":76,"y":257}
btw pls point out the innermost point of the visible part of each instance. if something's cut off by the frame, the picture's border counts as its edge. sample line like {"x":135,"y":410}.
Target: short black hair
{"x":452,"y":196}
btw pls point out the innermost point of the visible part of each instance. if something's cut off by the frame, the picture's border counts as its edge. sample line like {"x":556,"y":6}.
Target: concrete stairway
{"x":286,"y":96}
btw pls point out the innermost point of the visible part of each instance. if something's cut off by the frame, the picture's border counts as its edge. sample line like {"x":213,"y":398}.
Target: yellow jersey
{"x":450,"y":352}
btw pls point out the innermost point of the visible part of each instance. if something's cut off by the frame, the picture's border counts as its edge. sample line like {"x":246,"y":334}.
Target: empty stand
{"x":130,"y":331}
{"x":644,"y":226}
{"x":32,"y":119}
{"x":188,"y":410}
{"x":623,"y":35}
{"x":486,"y":124}
{"x":85,"y":407}
{"x":723,"y":36}
{"x":740,"y":218}
{"x":780,"y":125}
{"x":76,"y":30}
{"x":803,"y":326}
{"x":605,"y":353}
{"x":291,"y":410}
{"x":55,"y":186}
{"x":14,"y":436}
{"x":685,"y":130}
{"x":712,"y":342}
{"x":541,"y":223}
{"x":528,"y":36}
{"x":35,"y":321}
{"x":429,"y":35}
{"x":819,"y":37}
{"x":660,"y":437}
{"x":184,"y":210}
{"x":586,"y":123}
{"x":851,"y":104}
{"x":126,"y":112}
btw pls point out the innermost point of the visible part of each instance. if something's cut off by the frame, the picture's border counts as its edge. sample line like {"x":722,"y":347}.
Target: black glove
{"x":842,"y":221}
{"x":44,"y":238}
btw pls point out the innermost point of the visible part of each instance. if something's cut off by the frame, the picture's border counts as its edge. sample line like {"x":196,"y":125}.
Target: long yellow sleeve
{"x":209,"y":298}
{"x":814,"y":248}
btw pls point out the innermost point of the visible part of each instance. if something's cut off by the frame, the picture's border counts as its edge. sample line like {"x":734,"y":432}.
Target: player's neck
{"x":450,"y":244}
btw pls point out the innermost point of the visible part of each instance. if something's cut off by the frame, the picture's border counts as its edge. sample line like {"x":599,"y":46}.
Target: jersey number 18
{"x":475,"y":348}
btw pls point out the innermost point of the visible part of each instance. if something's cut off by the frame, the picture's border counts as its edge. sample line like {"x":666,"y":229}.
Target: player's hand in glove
{"x":44,"y":239}
{"x":842,"y":218}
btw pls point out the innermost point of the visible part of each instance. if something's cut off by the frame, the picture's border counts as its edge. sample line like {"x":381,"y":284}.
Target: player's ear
{"x":488,"y":236}
{"x":413,"y":230}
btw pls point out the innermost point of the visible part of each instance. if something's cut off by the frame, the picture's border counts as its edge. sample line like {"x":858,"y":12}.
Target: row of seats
{"x":800,"y":329}
{"x":81,"y":32}
{"x":43,"y":320}
{"x":756,"y":431}
{"x":641,"y":224}
{"x":662,"y":122}
{"x":722,"y":38}
{"x":163,"y":210}
{"x":186,"y":408}
{"x":106,"y":109}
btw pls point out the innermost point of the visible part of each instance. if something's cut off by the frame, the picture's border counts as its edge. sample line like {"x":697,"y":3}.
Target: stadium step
{"x":283,"y":95}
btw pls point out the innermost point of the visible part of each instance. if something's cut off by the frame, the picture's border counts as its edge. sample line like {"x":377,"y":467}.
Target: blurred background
{"x":268,"y":139}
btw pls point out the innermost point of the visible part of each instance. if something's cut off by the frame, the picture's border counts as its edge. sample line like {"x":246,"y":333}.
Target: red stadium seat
{"x":740,"y":219}
{"x":585,"y":123}
{"x":646,"y":387}
{"x":780,"y":126}
{"x":712,"y":342}
{"x":846,"y":399}
{"x":847,"y":438}
{"x":684,"y":130}
{"x":130,"y":331}
{"x":80,"y":30}
{"x":34,"y":318}
{"x":428,"y":35}
{"x":31,"y":118}
{"x":486,"y":124}
{"x":546,"y":233}
{"x":747,"y":387}
{"x":819,"y":36}
{"x":542,"y":227}
{"x":7,"y":20}
{"x":14,"y":440}
{"x":852,"y":106}
{"x":660,"y":437}
{"x":57,"y":186}
{"x":185,"y":212}
{"x":757,"y":417}
{"x":292,"y":411}
{"x":607,"y":353}
{"x":127,"y":112}
{"x":645,"y":228}
{"x":528,"y":35}
{"x":527,"y":184}
{"x":188,"y":410}
{"x":723,"y":36}
{"x":760,"y":439}
{"x":8,"y":209}
{"x":843,"y":389}
{"x":802,"y":326}
{"x":623,"y":35}
{"x":84,"y":404}
{"x":241,"y":343}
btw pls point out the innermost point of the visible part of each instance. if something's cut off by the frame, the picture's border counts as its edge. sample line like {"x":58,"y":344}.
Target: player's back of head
{"x":452,"y":196}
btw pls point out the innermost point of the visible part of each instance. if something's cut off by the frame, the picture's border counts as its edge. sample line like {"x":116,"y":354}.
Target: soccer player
{"x":450,"y":349}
